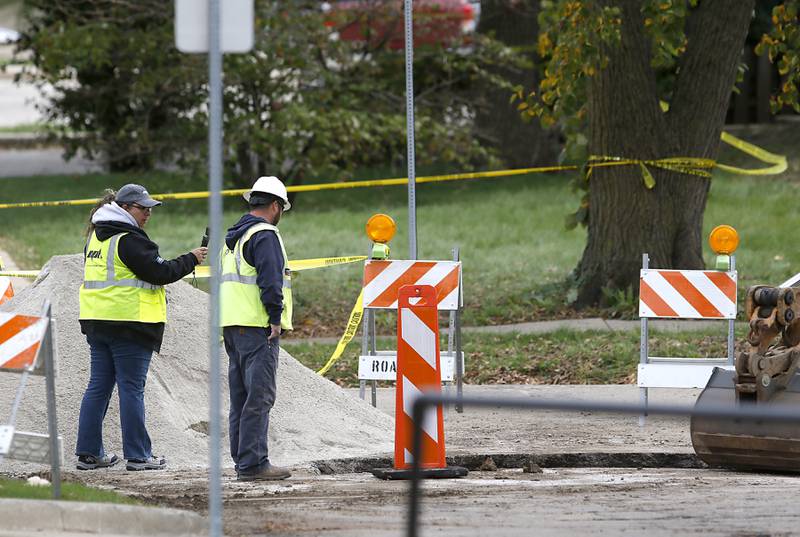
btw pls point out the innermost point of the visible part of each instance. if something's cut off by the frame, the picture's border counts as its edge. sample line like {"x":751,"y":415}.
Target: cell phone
{"x":204,"y":240}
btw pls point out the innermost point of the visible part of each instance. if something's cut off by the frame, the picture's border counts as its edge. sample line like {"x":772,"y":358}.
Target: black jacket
{"x":263,"y":251}
{"x":139,"y":254}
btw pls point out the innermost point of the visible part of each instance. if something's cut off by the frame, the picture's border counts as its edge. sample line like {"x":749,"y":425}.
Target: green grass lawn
{"x":516,"y":251}
{"x":562,"y":357}
{"x":16,"y":488}
{"x":25,"y":128}
{"x":510,"y":232}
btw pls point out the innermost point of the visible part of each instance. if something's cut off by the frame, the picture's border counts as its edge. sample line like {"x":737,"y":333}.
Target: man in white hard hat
{"x":256,"y":302}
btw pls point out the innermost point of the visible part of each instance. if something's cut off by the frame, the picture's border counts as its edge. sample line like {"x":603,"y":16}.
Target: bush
{"x":301,"y":104}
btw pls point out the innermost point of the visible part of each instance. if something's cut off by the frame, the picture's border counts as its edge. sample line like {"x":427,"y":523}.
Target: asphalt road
{"x":564,"y":499}
{"x":18,"y":106}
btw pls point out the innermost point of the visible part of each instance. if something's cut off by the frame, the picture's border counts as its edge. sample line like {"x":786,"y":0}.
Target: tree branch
{"x":716,"y":33}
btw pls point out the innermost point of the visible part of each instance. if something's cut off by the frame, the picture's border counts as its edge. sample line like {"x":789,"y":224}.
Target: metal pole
{"x":365,"y":344}
{"x":644,"y":350}
{"x":373,"y":351}
{"x":457,"y":330}
{"x":459,"y":363}
{"x":52,"y":421}
{"x":215,"y":221}
{"x":731,"y":323}
{"x":362,"y":384}
{"x":412,"y":177}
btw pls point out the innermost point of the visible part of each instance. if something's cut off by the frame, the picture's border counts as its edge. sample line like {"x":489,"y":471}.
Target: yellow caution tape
{"x":19,"y":273}
{"x":204,"y":271}
{"x":689,"y":165}
{"x":779,"y":163}
{"x":311,"y":188}
{"x":350,"y":331}
{"x":322,"y":262}
{"x":697,"y":166}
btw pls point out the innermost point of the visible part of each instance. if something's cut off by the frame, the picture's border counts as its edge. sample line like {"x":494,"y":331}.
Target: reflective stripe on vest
{"x":112,"y":292}
{"x":240,"y":295}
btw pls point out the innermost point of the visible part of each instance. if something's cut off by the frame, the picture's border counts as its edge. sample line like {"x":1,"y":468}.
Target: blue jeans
{"x":125,"y":364}
{"x":252,"y":375}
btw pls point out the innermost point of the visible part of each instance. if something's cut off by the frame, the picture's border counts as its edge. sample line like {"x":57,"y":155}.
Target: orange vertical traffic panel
{"x":6,"y":290}
{"x":418,"y":370}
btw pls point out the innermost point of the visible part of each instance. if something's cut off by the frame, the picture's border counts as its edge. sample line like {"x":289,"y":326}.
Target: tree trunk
{"x":520,"y":144}
{"x":625,"y":120}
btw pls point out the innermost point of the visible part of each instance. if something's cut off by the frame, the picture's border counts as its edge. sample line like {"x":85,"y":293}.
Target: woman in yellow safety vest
{"x":123,"y":310}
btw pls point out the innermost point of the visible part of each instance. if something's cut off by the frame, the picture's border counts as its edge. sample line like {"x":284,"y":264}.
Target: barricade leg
{"x":643,"y":351}
{"x":52,"y":421}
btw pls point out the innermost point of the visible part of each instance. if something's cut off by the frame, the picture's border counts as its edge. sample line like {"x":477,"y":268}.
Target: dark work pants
{"x":252,"y":375}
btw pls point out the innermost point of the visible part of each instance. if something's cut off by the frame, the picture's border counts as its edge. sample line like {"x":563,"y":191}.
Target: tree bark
{"x":625,"y":120}
{"x":519,"y":144}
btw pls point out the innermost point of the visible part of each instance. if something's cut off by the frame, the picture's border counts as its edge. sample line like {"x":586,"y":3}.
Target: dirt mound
{"x":312,"y":419}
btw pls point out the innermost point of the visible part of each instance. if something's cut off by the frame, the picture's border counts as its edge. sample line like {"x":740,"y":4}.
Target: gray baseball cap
{"x":133,"y":193}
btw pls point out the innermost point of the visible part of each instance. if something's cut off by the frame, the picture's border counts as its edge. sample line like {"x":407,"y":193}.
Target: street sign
{"x":236,"y":25}
{"x":383,"y":366}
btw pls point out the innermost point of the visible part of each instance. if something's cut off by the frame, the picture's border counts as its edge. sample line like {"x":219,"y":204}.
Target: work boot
{"x":153,"y":463}
{"x":90,"y":462}
{"x":268,"y":473}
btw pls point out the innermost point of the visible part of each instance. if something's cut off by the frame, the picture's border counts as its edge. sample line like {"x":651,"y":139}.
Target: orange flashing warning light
{"x":723,"y":240}
{"x":381,"y":228}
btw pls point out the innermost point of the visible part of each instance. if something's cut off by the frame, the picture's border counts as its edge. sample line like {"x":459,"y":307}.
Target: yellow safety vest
{"x":240,"y":296}
{"x":112,"y":292}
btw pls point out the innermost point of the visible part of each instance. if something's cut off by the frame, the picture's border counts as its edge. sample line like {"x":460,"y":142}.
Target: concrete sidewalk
{"x":50,"y":518}
{"x":576,"y":325}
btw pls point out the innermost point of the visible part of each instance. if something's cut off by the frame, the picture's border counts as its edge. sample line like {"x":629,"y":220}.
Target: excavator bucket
{"x":746,"y":443}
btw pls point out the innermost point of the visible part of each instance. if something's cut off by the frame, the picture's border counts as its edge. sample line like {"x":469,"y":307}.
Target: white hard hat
{"x":270,"y":185}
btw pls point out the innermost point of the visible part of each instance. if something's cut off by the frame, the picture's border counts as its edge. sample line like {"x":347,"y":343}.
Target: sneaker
{"x":153,"y":463}
{"x":90,"y":462}
{"x":268,"y":473}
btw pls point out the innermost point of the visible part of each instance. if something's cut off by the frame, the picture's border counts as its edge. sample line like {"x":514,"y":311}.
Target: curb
{"x":26,"y":140}
{"x":37,"y":516}
{"x":597,"y":324}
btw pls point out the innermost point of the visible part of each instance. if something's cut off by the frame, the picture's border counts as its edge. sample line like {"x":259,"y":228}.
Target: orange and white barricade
{"x":683,"y":294}
{"x":418,"y":371}
{"x":382,"y":281}
{"x":6,"y":289}
{"x":20,"y":339}
{"x":26,"y":347}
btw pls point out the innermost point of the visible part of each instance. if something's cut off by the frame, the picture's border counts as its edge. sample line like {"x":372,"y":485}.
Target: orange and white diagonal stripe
{"x":418,"y":371}
{"x":6,"y":290}
{"x":20,"y":339}
{"x":687,"y":294}
{"x":383,"y":280}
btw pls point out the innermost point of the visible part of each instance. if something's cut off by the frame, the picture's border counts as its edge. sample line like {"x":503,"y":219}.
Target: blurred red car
{"x":381,"y":22}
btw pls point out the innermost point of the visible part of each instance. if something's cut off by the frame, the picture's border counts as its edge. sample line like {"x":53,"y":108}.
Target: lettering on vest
{"x":94,"y":254}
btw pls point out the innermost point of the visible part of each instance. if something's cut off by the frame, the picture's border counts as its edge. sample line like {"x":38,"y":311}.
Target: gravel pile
{"x":312,"y":419}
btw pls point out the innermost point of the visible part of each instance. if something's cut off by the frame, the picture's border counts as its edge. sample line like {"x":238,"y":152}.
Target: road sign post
{"x":411,"y":156}
{"x":213,"y":27}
